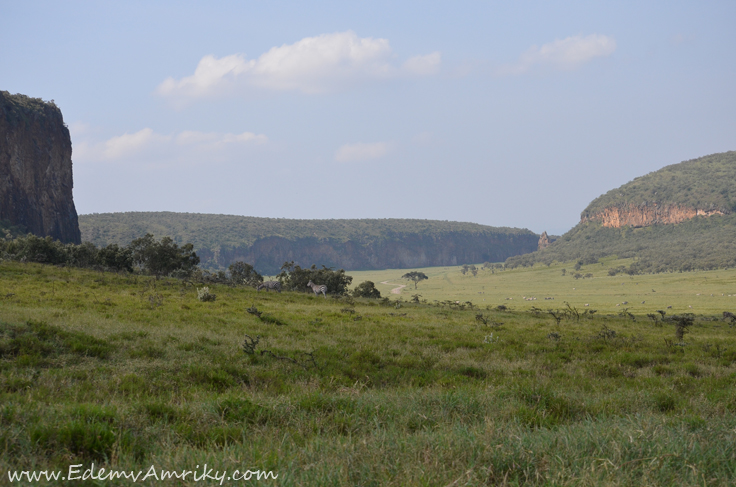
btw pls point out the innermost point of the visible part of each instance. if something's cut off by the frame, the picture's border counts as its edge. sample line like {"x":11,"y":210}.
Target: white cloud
{"x":147,"y":145}
{"x":211,"y":76}
{"x":361,"y":152}
{"x":311,"y":65}
{"x":423,"y":65}
{"x":129,"y":144}
{"x":562,"y":54}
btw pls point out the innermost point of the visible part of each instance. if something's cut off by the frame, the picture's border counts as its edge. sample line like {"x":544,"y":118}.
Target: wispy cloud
{"x":361,"y":152}
{"x":562,"y":54}
{"x":130,"y":144}
{"x":312,"y":65}
{"x":147,"y":145}
{"x":423,"y":65}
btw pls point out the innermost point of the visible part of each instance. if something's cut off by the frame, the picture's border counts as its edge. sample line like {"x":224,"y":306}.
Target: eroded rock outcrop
{"x":36,"y":168}
{"x":647,"y":214}
{"x":544,"y":241}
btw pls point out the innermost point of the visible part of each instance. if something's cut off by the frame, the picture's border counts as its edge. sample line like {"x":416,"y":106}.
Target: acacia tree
{"x":415,"y":276}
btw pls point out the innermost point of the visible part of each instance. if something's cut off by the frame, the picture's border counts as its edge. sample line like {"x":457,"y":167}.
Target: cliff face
{"x":36,"y":168}
{"x":647,"y":214}
{"x":402,"y":252}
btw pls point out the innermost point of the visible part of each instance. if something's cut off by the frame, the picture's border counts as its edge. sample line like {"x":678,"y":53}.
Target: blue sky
{"x":501,"y":113}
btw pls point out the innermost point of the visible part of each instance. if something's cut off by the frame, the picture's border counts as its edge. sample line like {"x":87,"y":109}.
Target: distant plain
{"x":701,"y":292}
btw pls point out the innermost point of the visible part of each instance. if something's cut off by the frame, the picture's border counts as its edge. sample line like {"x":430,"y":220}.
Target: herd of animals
{"x":276,"y":286}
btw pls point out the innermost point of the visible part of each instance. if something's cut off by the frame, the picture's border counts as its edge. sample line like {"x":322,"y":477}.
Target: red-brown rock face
{"x":647,"y":214}
{"x":36,"y":168}
{"x":544,"y":241}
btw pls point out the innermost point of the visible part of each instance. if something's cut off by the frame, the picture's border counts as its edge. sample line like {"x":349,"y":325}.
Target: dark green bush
{"x":367,"y":289}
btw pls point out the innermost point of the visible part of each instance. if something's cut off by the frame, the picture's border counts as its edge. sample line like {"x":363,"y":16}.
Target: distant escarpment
{"x":267,"y":243}
{"x":682,"y":217}
{"x":36,"y":168}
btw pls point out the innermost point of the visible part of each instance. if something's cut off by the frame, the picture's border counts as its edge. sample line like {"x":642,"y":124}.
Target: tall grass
{"x":92,"y":370}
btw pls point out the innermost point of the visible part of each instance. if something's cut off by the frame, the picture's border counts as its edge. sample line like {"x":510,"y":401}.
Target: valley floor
{"x":128,"y":372}
{"x":702,"y":292}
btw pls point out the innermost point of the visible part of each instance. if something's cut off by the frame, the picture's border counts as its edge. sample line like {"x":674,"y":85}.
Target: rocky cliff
{"x":545,"y":241}
{"x":647,"y":214}
{"x":36,"y":168}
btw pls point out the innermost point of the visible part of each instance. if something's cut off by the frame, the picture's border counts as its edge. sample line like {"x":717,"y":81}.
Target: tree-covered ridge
{"x":211,"y":231}
{"x":706,"y":183}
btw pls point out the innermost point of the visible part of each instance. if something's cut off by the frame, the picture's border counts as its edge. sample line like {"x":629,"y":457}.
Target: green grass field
{"x":705,"y":292}
{"x":129,"y":372}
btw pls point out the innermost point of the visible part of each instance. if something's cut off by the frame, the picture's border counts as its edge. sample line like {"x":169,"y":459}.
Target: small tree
{"x":243,"y":273}
{"x":682,"y":323}
{"x":367,"y":289}
{"x":116,"y":258}
{"x":415,"y":276}
{"x":162,"y":257}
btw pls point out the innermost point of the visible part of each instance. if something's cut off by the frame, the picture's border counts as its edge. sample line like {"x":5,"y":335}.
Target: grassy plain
{"x":702,"y":292}
{"x":127,"y":372}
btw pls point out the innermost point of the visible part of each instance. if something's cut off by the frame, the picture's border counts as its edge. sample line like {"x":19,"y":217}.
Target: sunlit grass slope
{"x":686,"y":292}
{"x":129,"y":372}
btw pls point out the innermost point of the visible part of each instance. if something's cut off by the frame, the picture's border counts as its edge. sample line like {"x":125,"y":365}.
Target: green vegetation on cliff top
{"x":211,"y":231}
{"x":19,"y":107}
{"x":704,"y":183}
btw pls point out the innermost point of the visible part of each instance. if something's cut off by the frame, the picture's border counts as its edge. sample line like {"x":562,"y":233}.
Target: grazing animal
{"x":268,"y":285}
{"x":318,"y":288}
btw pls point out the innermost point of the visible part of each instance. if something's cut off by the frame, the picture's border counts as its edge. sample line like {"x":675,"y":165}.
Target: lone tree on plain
{"x":415,"y":276}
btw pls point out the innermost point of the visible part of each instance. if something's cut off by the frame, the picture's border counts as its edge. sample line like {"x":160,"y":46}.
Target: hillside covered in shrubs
{"x":679,"y":218}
